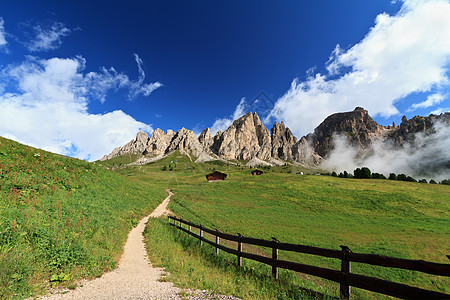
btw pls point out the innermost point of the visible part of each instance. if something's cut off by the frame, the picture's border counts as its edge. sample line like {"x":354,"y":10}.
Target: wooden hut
{"x":216,"y":176}
{"x":257,"y":172}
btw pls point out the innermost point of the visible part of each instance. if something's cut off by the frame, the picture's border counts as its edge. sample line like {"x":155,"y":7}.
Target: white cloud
{"x":402,"y":54}
{"x":2,"y":33}
{"x":224,"y":123}
{"x":49,"y":38}
{"x":432,"y":100}
{"x":440,"y":110}
{"x":48,"y":108}
{"x":109,"y":79}
{"x":139,"y":87}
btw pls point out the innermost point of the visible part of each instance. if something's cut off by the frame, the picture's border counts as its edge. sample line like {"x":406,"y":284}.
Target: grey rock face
{"x":185,"y":140}
{"x":282,"y":141}
{"x":360,"y":129}
{"x":158,"y":142}
{"x":406,"y":132}
{"x":206,"y":139}
{"x":246,"y":138}
{"x":137,"y":145}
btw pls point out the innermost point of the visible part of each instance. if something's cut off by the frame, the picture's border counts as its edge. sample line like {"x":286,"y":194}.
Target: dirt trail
{"x":135,"y":278}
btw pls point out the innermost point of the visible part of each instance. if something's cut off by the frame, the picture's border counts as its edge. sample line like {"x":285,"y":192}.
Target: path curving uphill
{"x":135,"y":277}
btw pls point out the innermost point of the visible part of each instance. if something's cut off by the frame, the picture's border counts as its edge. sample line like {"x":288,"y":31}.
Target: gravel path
{"x":135,"y":278}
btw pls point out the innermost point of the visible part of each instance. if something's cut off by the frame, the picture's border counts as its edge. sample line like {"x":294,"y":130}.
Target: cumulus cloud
{"x":432,"y":100}
{"x":46,"y":105}
{"x":427,"y":157}
{"x":402,"y":54}
{"x":223,"y":123}
{"x":48,"y":37}
{"x":2,"y":33}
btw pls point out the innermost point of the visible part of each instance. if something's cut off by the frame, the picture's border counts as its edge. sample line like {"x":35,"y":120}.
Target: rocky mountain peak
{"x":406,"y":131}
{"x":186,"y":141}
{"x":357,"y":125}
{"x":138,"y":145}
{"x":206,"y":139}
{"x":158,"y":142}
{"x":245,"y":138}
{"x":282,"y":141}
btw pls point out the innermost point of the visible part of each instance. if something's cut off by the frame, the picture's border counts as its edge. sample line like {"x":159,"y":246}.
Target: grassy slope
{"x":400,"y":219}
{"x":62,"y":219}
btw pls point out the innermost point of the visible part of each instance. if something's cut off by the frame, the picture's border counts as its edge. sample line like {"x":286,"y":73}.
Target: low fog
{"x":427,"y":156}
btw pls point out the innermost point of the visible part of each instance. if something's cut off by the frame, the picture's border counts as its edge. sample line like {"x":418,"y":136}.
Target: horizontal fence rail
{"x":344,"y":277}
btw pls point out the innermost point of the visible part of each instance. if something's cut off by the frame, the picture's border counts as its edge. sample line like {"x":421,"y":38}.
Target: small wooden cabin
{"x":257,"y":172}
{"x":216,"y":176}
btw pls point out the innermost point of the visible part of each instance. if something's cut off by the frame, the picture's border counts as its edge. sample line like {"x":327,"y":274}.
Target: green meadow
{"x":62,"y":219}
{"x":393,"y":218}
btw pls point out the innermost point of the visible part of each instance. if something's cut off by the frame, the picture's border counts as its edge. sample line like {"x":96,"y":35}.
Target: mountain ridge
{"x":247,"y":138}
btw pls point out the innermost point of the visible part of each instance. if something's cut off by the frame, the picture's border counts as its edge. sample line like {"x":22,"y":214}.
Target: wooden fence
{"x":344,"y":277}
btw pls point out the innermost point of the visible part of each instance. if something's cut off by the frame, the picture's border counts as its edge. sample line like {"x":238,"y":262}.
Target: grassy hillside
{"x":400,"y":219}
{"x":62,"y":219}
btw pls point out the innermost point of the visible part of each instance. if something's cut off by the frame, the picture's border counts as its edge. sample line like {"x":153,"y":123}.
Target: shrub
{"x":401,"y":177}
{"x":423,"y":181}
{"x":334,"y":174}
{"x":365,"y":173}
{"x":392,"y":176}
{"x":378,"y":176}
{"x":410,"y":179}
{"x":445,"y":181}
{"x":432,"y":181}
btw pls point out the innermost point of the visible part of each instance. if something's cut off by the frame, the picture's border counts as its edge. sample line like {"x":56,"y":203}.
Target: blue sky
{"x":80,"y":78}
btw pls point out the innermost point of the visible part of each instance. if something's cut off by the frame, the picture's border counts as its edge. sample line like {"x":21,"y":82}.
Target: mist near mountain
{"x":427,"y":155}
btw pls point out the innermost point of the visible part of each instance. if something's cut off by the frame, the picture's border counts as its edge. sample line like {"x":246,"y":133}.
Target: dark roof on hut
{"x":216,"y":175}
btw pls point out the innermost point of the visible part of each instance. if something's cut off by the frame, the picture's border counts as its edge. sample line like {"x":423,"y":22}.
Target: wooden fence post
{"x":217,"y":242}
{"x":346,"y":269}
{"x":201,"y":235}
{"x":275,"y":257}
{"x":240,"y":250}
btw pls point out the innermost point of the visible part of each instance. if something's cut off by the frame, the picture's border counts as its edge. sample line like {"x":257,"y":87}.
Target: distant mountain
{"x":247,"y":139}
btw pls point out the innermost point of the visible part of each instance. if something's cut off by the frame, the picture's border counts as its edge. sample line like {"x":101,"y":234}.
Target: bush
{"x":432,"y":181}
{"x":410,"y":179}
{"x":378,"y":176}
{"x":392,"y":176}
{"x":445,"y":181}
{"x":364,"y":173}
{"x":401,"y":177}
{"x":423,"y":181}
{"x":334,"y":174}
